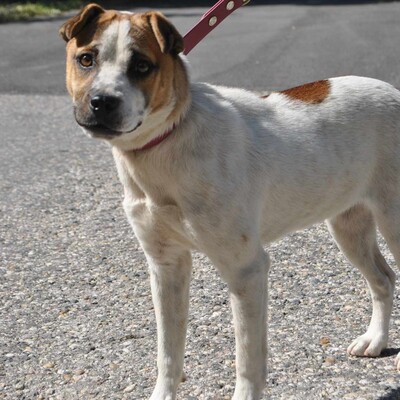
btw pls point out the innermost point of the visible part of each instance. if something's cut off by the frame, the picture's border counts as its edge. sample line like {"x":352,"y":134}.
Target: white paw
{"x":162,"y":396}
{"x":368,"y":345}
{"x":397,"y":362}
{"x":160,"y":393}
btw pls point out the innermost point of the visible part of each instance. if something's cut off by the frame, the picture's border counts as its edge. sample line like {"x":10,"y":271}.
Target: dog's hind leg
{"x":355,"y":233}
{"x":388,"y":219}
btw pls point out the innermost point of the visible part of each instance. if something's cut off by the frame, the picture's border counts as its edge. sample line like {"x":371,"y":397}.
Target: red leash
{"x":210,"y":20}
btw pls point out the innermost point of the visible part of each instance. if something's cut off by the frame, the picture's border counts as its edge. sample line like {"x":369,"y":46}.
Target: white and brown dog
{"x":223,"y":171}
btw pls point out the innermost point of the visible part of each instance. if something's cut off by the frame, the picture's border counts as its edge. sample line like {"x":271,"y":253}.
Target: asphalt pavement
{"x":76,"y":318}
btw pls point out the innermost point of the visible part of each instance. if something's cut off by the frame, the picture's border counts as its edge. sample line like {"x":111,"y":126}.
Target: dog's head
{"x":124,"y":73}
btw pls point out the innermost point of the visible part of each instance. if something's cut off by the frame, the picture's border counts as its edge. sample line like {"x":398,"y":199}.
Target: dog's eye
{"x":86,"y":60}
{"x":142,"y":67}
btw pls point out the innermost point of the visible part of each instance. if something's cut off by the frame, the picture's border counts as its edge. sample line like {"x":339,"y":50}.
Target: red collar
{"x":157,"y":140}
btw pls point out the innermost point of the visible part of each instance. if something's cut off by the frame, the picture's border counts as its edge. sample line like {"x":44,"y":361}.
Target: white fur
{"x":239,"y":172}
{"x":114,"y":55}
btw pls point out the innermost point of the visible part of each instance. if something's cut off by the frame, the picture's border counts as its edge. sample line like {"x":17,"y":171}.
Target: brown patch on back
{"x":312,"y":93}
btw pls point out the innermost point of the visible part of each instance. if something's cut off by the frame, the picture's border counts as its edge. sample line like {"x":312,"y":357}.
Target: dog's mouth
{"x":104,"y":132}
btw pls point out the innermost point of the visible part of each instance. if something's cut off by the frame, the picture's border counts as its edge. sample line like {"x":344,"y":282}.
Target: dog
{"x":224,"y":171}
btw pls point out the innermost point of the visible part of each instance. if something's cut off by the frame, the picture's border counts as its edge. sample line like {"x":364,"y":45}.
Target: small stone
{"x":90,"y":348}
{"x":20,"y":386}
{"x":49,"y":365}
{"x":77,"y":378}
{"x":220,"y":385}
{"x":330,"y":360}
{"x":324,"y":341}
{"x":79,"y":372}
{"x":67,"y":377}
{"x":114,"y":366}
{"x":64,"y":312}
{"x":129,"y":388}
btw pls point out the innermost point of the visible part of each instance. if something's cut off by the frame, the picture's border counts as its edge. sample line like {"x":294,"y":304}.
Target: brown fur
{"x":313,"y":93}
{"x":166,"y":82}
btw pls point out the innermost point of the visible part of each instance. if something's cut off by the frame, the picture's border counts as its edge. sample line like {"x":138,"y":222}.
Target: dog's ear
{"x":169,"y":39}
{"x":75,"y":24}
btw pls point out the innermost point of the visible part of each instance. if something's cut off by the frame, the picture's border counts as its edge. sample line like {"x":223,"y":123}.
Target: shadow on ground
{"x":389,"y":352}
{"x":394,"y":394}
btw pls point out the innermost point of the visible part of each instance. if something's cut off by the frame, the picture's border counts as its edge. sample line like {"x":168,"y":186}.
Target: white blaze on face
{"x":113,"y":60}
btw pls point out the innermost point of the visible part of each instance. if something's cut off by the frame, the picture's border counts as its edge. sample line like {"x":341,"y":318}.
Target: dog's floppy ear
{"x":75,"y":24}
{"x":169,"y":39}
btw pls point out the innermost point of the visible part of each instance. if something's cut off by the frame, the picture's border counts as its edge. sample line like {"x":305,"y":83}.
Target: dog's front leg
{"x":170,"y":265}
{"x":248,"y":290}
{"x":170,"y":292}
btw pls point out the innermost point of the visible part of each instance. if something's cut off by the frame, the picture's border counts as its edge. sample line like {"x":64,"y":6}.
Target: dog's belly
{"x":288,"y":220}
{"x":302,"y":195}
{"x":301,"y":204}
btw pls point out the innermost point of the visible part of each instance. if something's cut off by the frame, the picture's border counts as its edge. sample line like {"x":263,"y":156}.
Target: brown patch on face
{"x":82,"y":34}
{"x":158,"y":39}
{"x":76,"y":24}
{"x":313,"y":93}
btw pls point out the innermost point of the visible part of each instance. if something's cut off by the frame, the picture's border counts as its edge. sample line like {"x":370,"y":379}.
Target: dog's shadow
{"x":389,"y":352}
{"x":394,"y":394}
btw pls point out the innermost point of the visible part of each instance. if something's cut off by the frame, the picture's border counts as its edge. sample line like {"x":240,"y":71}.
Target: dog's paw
{"x":161,"y":393}
{"x":161,"y":396}
{"x":368,"y":345}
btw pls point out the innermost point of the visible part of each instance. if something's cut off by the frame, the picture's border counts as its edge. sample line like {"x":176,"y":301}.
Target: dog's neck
{"x":157,"y":140}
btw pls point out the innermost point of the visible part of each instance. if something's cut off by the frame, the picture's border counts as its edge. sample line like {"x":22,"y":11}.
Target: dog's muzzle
{"x":102,"y":117}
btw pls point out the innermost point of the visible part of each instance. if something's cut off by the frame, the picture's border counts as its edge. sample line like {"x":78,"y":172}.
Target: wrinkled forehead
{"x":117,"y":34}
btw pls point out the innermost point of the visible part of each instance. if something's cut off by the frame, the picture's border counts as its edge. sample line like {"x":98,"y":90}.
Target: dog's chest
{"x":151,"y":200}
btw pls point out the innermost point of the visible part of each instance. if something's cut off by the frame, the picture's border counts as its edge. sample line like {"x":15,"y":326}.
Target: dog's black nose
{"x":104,"y":104}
